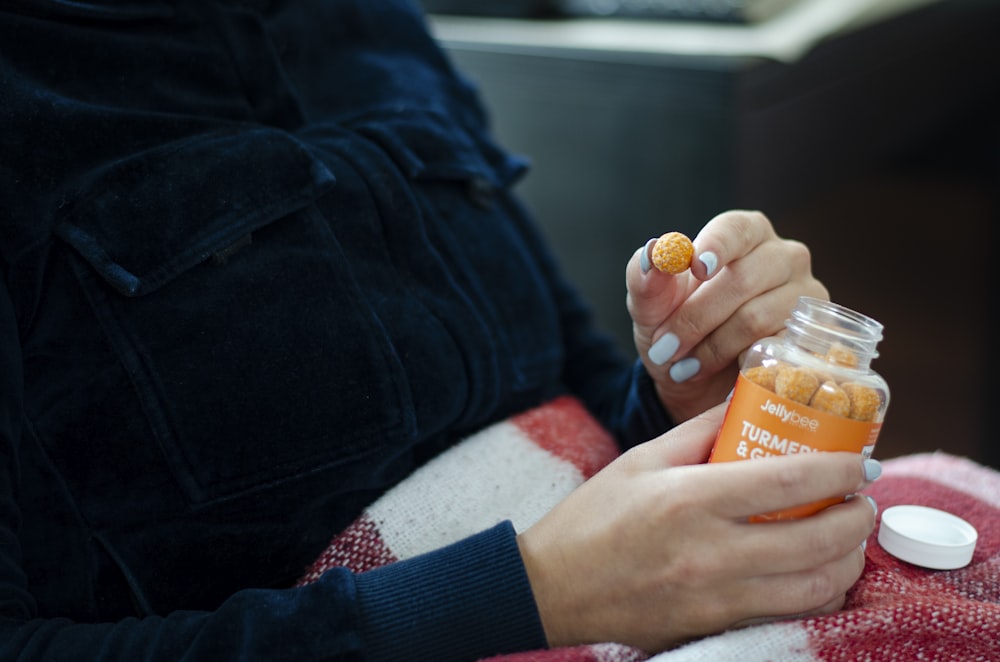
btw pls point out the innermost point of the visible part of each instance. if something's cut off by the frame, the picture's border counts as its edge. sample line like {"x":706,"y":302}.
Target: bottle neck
{"x":829,"y":330}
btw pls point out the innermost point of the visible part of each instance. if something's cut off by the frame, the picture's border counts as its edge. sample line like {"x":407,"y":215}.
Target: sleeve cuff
{"x":467,"y":600}
{"x":644,"y":416}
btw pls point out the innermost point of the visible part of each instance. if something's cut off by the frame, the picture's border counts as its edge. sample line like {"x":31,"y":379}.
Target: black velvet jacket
{"x":260,"y":260}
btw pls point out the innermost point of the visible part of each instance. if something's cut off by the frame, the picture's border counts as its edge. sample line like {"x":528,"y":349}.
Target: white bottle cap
{"x":927,"y":537}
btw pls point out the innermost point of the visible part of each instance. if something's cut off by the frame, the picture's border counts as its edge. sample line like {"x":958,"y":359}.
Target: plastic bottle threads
{"x":809,"y":390}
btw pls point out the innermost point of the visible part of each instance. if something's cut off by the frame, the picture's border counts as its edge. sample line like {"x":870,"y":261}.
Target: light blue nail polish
{"x":710,"y":260}
{"x":873,"y":469}
{"x":644,"y":262}
{"x":684,"y":369}
{"x":664,"y":349}
{"x":864,"y":545}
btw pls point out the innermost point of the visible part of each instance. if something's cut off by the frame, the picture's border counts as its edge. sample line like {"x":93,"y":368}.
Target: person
{"x":261,"y":260}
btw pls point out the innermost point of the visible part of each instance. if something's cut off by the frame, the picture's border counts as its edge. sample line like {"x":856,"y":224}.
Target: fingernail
{"x":873,"y":469}
{"x":730,"y":395}
{"x":684,"y":369}
{"x":873,"y":504}
{"x":644,"y":262}
{"x":864,"y":544}
{"x":710,"y":260}
{"x":664,"y":349}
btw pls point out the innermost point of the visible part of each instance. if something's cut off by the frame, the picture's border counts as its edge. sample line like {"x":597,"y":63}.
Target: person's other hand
{"x":690,"y":329}
{"x":656,"y":548}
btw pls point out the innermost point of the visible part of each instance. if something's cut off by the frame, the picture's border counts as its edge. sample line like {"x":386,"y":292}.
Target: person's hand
{"x":656,"y":549}
{"x":691,"y":328}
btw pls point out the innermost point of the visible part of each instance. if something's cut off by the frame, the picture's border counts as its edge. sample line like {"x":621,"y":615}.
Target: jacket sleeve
{"x":413,"y":608}
{"x":619,"y":393}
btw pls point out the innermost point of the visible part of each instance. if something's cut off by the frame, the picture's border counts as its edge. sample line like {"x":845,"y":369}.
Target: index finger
{"x":728,"y":237}
{"x":752,"y":487}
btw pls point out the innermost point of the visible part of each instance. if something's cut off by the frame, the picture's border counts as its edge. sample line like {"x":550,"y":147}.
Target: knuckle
{"x":685,"y":326}
{"x":799,"y":254}
{"x":791,"y":479}
{"x":680,"y":501}
{"x":816,"y":289}
{"x":758,"y":217}
{"x":755,"y":321}
{"x":696,"y":569}
{"x":825,"y":544}
{"x":820,"y":588}
{"x":712,"y":353}
{"x":748,"y":221}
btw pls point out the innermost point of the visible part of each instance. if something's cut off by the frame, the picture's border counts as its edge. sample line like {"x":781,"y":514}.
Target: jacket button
{"x":481,"y":192}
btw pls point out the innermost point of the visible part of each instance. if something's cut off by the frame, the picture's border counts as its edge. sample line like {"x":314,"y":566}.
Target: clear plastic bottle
{"x":809,"y":389}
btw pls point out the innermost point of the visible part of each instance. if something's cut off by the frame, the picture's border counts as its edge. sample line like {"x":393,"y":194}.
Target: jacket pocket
{"x":225,"y":297}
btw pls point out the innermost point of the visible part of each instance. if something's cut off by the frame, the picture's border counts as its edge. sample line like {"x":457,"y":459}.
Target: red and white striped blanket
{"x":520,"y":468}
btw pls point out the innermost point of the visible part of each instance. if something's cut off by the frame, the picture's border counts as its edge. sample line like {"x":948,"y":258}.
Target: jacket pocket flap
{"x":141,"y":221}
{"x":427,"y":145}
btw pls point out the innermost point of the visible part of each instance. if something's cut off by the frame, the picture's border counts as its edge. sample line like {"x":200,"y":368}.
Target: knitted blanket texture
{"x":520,"y":468}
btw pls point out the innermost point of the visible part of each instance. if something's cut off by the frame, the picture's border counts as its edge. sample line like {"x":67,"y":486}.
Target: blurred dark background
{"x":879,"y":147}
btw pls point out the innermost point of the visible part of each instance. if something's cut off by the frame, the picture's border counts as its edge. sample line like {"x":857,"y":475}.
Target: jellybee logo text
{"x":792,"y":416}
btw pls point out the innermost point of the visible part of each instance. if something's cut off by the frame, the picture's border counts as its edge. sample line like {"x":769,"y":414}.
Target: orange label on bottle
{"x":760,"y":424}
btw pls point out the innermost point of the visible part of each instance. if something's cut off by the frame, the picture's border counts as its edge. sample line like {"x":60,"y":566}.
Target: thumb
{"x":652,"y":296}
{"x":690,"y":442}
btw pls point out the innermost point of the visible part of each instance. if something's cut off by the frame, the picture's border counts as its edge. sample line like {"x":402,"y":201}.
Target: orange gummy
{"x":831,"y":398}
{"x":762,"y":376}
{"x":865,"y":401}
{"x":842,"y":355}
{"x":796,"y":384}
{"x":672,"y":252}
